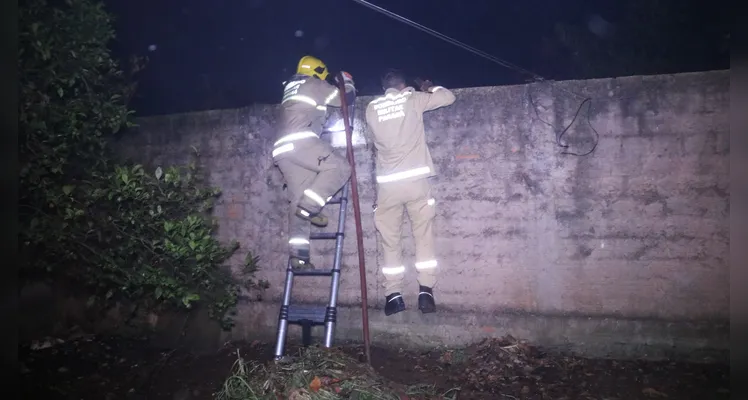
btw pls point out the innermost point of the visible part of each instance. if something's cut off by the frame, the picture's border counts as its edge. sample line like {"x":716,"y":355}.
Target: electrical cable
{"x":503,"y":63}
{"x":588,"y":101}
{"x":447,"y":38}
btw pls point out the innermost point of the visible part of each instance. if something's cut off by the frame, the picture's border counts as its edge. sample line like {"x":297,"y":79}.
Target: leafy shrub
{"x":114,"y":229}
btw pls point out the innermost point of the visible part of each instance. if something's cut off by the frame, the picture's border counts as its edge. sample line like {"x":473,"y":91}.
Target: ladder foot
{"x":283,"y":359}
{"x":306,"y":333}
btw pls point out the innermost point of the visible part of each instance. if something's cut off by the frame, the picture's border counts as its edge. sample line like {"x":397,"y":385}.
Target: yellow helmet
{"x":312,"y":66}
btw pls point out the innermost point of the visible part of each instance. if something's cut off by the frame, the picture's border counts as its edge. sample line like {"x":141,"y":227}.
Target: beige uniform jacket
{"x":303,"y":111}
{"x":396,"y":121}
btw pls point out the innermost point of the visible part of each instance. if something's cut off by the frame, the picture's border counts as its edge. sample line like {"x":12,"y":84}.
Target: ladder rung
{"x":325,"y":235}
{"x":314,"y":272}
{"x":335,"y":200}
{"x":313,"y":314}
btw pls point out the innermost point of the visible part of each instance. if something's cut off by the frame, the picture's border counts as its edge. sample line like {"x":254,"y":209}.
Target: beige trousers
{"x":415,"y":198}
{"x":313,"y":173}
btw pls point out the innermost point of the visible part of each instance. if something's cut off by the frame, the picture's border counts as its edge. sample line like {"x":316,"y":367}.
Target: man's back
{"x":396,"y":121}
{"x":304,"y":104}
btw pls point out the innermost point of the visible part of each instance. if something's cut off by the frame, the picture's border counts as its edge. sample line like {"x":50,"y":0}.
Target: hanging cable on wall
{"x":558,"y":135}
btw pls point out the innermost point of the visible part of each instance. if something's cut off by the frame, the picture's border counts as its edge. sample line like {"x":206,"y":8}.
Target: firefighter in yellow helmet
{"x":403,"y":168}
{"x":312,"y":170}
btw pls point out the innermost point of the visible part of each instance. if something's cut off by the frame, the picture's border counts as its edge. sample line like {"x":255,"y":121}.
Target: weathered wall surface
{"x":626,"y":245}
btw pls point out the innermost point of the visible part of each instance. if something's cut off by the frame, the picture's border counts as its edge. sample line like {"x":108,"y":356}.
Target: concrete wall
{"x":623,"y":248}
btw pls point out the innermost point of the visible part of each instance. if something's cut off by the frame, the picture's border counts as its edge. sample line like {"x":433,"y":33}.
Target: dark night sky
{"x":230,"y":53}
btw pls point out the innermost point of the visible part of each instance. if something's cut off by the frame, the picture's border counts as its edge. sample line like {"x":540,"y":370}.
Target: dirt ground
{"x":104,"y":368}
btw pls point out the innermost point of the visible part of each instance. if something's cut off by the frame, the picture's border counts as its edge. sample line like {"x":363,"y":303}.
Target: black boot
{"x":394,"y":304}
{"x":426,"y":301}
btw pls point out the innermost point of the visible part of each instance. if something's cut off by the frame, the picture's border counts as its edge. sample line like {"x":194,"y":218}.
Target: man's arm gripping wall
{"x":437,"y":97}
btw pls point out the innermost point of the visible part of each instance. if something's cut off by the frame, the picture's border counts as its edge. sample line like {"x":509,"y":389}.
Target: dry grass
{"x":318,"y":374}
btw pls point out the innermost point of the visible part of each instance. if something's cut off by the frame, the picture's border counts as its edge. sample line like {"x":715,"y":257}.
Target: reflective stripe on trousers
{"x":285,"y":143}
{"x":393,"y":270}
{"x":294,"y":136}
{"x":430,"y":264}
{"x":298,"y":241}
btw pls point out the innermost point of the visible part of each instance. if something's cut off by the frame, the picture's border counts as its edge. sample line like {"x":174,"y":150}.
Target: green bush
{"x":117,"y":230}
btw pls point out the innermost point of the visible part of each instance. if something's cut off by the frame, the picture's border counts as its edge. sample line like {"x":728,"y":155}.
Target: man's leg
{"x":422,"y":212}
{"x":333,"y":171}
{"x":297,"y":179}
{"x":388,"y":219}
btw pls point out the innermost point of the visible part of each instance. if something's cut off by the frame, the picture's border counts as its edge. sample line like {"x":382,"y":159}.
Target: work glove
{"x":347,"y":80}
{"x":350,"y":88}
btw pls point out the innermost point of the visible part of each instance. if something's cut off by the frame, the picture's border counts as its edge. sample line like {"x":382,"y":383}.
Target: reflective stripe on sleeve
{"x":331,"y":96}
{"x":301,"y":98}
